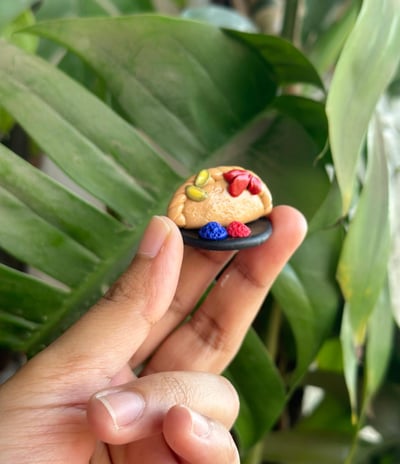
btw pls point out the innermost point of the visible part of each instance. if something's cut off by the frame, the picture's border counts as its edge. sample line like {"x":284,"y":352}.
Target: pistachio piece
{"x":202,"y":178}
{"x":195,"y":193}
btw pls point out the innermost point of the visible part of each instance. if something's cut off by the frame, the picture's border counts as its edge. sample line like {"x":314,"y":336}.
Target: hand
{"x":78,"y":401}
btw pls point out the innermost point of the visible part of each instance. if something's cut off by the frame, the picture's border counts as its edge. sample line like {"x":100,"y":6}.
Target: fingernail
{"x":200,"y":425}
{"x":154,"y":237}
{"x":124,"y":407}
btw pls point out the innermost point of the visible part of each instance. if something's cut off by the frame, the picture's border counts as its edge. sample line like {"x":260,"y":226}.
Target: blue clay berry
{"x":213,"y":231}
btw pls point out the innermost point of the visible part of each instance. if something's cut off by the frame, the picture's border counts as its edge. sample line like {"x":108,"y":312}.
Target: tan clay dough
{"x":218,"y":204}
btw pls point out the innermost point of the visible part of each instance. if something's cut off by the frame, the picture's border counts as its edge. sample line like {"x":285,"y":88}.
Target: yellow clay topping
{"x":195,"y":193}
{"x":202,"y":178}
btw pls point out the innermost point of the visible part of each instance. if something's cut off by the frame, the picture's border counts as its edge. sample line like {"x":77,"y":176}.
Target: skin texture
{"x":78,"y":400}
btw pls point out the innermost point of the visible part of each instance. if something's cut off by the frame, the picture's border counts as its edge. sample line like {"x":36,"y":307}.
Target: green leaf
{"x":307,"y":447}
{"x":364,"y":258}
{"x":351,"y":355}
{"x":308,"y":295}
{"x":220,"y":16}
{"x":356,"y":86}
{"x":289,"y":64}
{"x":24,"y":301}
{"x":49,"y":227}
{"x":327,"y":48}
{"x":56,"y":205}
{"x":330,"y":356}
{"x":68,"y":62}
{"x":110,"y":169}
{"x":11,"y":9}
{"x":260,"y":388}
{"x":330,"y":210}
{"x":280,"y":150}
{"x":56,"y":9}
{"x":25,"y":41}
{"x":214,"y":102}
{"x":309,"y":113}
{"x":19,"y":222}
{"x":194,"y":108}
{"x":192,"y":95}
{"x":379,"y":343}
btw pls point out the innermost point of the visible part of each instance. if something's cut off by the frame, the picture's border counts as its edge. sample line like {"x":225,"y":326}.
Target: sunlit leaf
{"x":365,"y":68}
{"x":379,"y":343}
{"x":351,"y":359}
{"x":220,"y":16}
{"x":364,"y":258}
{"x":11,"y":9}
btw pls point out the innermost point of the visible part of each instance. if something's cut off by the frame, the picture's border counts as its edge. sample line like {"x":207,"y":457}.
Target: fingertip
{"x":289,"y":219}
{"x":198,"y":439}
{"x":177,"y":417}
{"x":112,"y":415}
{"x":158,"y":233}
{"x":183,"y":429}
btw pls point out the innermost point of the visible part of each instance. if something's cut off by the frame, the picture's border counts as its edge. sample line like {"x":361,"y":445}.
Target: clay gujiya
{"x":221,"y":203}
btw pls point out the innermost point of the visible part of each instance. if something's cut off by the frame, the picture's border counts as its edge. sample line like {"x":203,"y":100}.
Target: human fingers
{"x":134,"y":411}
{"x":199,"y":268}
{"x":106,"y":337}
{"x":216,"y":330}
{"x":198,"y":439}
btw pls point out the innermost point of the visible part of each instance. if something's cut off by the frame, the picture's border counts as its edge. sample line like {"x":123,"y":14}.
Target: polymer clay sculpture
{"x":222,"y":208}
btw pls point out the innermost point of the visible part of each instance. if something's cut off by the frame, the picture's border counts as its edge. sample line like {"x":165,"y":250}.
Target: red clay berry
{"x":237,"y":229}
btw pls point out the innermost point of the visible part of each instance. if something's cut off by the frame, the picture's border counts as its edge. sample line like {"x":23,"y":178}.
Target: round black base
{"x":260,"y":232}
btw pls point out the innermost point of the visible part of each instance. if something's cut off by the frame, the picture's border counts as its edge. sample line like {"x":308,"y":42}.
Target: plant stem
{"x":255,"y":454}
{"x":290,"y":20}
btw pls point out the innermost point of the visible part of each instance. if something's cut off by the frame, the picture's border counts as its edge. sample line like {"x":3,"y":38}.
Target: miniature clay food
{"x":228,"y":197}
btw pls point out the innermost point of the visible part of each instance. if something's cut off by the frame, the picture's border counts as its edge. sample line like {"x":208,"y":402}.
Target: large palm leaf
{"x":193,"y":96}
{"x":188,"y":96}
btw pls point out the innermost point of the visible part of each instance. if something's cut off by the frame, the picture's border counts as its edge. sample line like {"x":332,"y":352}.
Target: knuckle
{"x":179,"y":308}
{"x":247,"y":274}
{"x":122,"y":291}
{"x":210,"y":331}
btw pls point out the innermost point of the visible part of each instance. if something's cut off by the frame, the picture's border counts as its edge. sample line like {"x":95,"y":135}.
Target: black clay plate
{"x":260,"y":232}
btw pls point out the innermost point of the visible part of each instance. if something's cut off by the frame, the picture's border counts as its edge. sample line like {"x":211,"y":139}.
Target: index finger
{"x":106,"y":336}
{"x":214,"y":333}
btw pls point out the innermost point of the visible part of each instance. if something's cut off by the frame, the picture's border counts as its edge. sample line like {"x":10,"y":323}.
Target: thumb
{"x":136,"y":410}
{"x":110,"y":333}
